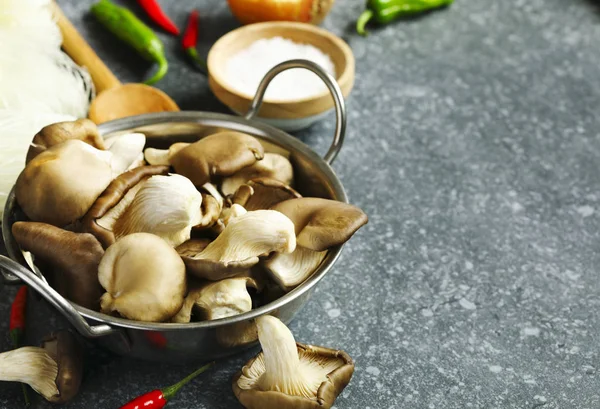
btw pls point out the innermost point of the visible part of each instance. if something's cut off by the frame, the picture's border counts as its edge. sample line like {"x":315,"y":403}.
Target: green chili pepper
{"x":127,"y":27}
{"x":386,"y":11}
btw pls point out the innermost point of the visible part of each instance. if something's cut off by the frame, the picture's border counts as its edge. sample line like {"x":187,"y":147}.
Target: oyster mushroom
{"x":33,"y":366}
{"x":320,"y":224}
{"x":113,"y":202}
{"x":74,"y":258}
{"x":47,"y":190}
{"x":212,"y":205}
{"x":192,"y":247}
{"x":162,"y":156}
{"x":144,"y":278}
{"x":272,"y":166}
{"x":220,"y":154}
{"x":287,"y":374}
{"x":67,"y":352}
{"x":238,"y":247}
{"x":167,"y":206}
{"x":290,"y":270}
{"x":216,"y":300}
{"x":263,"y":193}
{"x":227,"y":214}
{"x":50,"y":135}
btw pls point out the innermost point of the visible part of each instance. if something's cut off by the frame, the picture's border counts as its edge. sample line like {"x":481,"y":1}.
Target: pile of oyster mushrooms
{"x":199,"y":231}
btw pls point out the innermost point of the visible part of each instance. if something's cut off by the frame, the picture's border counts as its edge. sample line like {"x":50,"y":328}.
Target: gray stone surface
{"x":473,"y":145}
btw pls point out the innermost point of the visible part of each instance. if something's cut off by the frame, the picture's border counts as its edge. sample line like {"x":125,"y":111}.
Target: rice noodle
{"x":39,"y":84}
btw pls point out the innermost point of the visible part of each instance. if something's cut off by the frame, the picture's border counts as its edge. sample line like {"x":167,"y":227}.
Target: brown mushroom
{"x":61,"y":183}
{"x":144,"y":278}
{"x":67,"y":351}
{"x":220,"y":154}
{"x":117,"y":197}
{"x":287,"y":374}
{"x":321,"y":223}
{"x":272,"y":166}
{"x":238,"y":247}
{"x":263,"y":193}
{"x":74,"y":258}
{"x":212,"y":205}
{"x":53,"y":134}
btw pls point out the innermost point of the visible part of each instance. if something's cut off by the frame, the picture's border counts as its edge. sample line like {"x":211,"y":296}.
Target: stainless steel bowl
{"x":207,"y":339}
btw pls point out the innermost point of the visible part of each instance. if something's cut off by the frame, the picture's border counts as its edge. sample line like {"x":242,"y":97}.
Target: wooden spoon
{"x":114,"y":100}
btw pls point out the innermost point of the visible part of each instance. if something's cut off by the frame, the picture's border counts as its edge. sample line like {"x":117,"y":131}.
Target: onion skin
{"x":303,"y":11}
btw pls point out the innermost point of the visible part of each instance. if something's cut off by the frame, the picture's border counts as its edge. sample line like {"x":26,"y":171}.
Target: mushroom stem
{"x":156,"y":156}
{"x":33,"y":366}
{"x":282,"y":363}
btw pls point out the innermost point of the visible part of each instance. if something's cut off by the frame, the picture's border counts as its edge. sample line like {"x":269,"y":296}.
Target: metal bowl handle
{"x":54,"y":298}
{"x":334,"y":89}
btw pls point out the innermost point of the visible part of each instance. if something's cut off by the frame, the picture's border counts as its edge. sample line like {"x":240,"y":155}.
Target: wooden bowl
{"x":291,"y":114}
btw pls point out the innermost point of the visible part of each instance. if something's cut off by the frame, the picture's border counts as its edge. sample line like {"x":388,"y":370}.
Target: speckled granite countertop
{"x":474,"y":146}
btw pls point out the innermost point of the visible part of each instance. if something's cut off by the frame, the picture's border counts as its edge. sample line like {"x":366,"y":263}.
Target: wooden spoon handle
{"x":81,"y":52}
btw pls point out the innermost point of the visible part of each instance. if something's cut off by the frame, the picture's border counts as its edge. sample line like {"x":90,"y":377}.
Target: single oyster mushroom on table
{"x":74,"y":258}
{"x":50,"y":135}
{"x":287,"y":374}
{"x":60,"y":184}
{"x":220,"y":154}
{"x":144,"y":278}
{"x":238,"y":247}
{"x":33,"y":366}
{"x":263,"y":193}
{"x":220,"y":299}
{"x":319,"y":225}
{"x":67,"y":352}
{"x":272,"y":166}
{"x":145,"y":200}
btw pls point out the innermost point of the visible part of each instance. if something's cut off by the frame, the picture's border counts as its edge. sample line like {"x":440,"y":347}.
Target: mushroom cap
{"x":74,"y":257}
{"x":220,"y":154}
{"x":192,"y":247}
{"x":50,"y":135}
{"x":243,"y":240}
{"x":144,"y":278}
{"x":322,"y":223}
{"x":113,"y":200}
{"x":291,"y":269}
{"x":60,"y":184}
{"x":273,"y":166}
{"x":263,"y":193}
{"x":63,"y":347}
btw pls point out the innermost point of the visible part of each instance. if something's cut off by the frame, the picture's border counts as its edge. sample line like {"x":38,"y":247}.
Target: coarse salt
{"x":245,"y":69}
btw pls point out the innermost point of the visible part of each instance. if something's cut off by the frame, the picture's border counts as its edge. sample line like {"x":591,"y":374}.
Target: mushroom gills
{"x":238,"y":247}
{"x":291,"y":269}
{"x":33,"y":366}
{"x":167,"y":206}
{"x":282,"y":366}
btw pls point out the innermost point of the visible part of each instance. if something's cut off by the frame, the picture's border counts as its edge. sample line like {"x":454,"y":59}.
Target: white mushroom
{"x":240,"y":244}
{"x":33,"y":366}
{"x":144,"y":278}
{"x":161,"y":156}
{"x":290,"y":270}
{"x":167,"y":206}
{"x":217,"y":300}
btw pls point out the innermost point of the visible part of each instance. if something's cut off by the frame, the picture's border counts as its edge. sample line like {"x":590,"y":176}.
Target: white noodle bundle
{"x":39,"y":84}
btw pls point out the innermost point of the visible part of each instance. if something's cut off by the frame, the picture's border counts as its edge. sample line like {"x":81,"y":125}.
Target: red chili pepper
{"x":190,"y":40}
{"x":158,"y":398}
{"x":157,"y":15}
{"x":157,"y":339}
{"x":17,"y":316}
{"x":16,"y":326}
